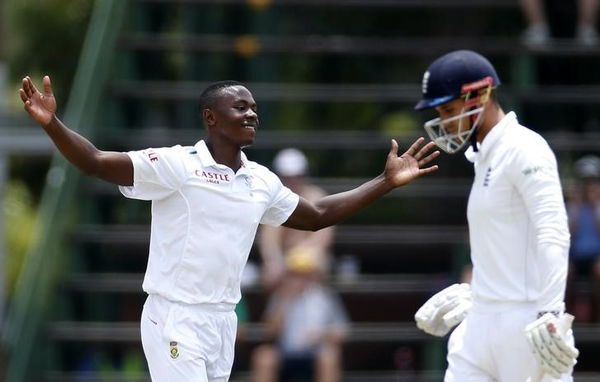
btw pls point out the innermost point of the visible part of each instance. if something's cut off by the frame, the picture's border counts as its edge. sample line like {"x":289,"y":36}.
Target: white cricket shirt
{"x":204,"y":220}
{"x":518,"y":226}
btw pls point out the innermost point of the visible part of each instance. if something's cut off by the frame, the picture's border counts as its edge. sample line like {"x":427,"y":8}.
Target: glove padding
{"x":546,"y":336}
{"x":444,"y":310}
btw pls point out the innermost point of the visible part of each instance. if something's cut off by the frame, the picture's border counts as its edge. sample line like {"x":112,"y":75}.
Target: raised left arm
{"x":399,"y":170}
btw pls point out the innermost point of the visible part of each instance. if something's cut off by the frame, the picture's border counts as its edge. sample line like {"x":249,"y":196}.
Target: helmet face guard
{"x":451,"y":143}
{"x":473,"y":109}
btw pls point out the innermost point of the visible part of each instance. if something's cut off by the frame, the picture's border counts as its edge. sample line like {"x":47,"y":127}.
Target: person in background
{"x":583,"y":208}
{"x":273,"y":242}
{"x":307,"y":323}
{"x":538,"y":29}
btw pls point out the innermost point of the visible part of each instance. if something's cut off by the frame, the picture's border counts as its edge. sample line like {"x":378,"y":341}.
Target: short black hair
{"x":212,"y":92}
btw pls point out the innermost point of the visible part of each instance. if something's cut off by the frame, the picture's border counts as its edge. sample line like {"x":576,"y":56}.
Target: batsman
{"x":512,"y":326}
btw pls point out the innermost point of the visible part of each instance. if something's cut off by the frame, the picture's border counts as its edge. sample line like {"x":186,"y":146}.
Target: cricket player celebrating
{"x":514,"y":328}
{"x":207,"y":202}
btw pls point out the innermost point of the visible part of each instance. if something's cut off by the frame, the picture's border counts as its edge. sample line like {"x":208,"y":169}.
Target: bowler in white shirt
{"x":207,"y":202}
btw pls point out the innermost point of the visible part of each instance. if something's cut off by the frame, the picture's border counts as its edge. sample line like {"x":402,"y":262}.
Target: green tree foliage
{"x":19,"y":223}
{"x":45,"y":37}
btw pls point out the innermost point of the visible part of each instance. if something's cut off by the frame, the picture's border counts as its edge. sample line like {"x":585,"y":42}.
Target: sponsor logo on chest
{"x":212,"y":177}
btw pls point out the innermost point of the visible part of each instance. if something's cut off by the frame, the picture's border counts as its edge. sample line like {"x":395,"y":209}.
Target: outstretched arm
{"x":399,"y":170}
{"x":113,"y":167}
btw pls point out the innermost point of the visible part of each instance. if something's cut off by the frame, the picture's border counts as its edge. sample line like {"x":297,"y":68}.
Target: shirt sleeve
{"x":535,"y":175}
{"x":534,"y":172}
{"x":156,"y":173}
{"x":282,"y":204}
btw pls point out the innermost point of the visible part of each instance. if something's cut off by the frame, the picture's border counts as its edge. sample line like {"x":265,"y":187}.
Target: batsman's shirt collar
{"x":490,"y":139}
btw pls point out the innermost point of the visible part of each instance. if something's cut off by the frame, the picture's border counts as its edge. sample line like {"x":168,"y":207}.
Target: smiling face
{"x":233,"y":118}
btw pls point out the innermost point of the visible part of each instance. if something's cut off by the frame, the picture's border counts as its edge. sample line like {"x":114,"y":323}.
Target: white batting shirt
{"x":204,"y":220}
{"x":518,"y":226}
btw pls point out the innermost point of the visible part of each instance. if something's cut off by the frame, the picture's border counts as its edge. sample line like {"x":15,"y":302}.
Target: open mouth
{"x":250,"y":126}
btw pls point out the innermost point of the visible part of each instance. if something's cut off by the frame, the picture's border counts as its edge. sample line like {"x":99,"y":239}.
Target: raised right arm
{"x":113,"y":167}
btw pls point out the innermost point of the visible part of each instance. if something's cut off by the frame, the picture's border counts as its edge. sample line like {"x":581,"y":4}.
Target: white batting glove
{"x":546,"y":336}
{"x":444,"y":310}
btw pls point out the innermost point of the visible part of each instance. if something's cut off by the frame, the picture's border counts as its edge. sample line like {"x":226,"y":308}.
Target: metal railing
{"x":350,"y":45}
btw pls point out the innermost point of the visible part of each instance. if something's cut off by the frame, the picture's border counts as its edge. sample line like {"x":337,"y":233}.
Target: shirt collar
{"x":204,"y":154}
{"x":208,"y":161}
{"x":490,"y":139}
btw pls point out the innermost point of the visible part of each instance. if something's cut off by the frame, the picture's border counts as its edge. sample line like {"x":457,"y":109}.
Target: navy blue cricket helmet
{"x":459,"y":74}
{"x":444,"y":79}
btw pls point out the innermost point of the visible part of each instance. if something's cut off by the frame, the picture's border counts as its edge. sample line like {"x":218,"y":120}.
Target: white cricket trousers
{"x":184,"y":342}
{"x":490,"y":346}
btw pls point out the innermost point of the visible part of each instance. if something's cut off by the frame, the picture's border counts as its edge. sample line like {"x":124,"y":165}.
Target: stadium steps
{"x":370,"y":346}
{"x":471,"y":4}
{"x":108,"y":332}
{"x":351,"y":45}
{"x":390,"y":297}
{"x":373,"y":376}
{"x":378,"y":248}
{"x":345,"y":234}
{"x":327,"y":93}
{"x":120,"y":282}
{"x":366,"y":341}
{"x":117,"y":332}
{"x":322,"y":139}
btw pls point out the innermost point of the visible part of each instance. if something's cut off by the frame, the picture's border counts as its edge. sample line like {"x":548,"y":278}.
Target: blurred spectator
{"x":307,"y":321}
{"x":538,"y":29}
{"x":125,"y":360}
{"x":291,"y":166}
{"x":584,"y":221}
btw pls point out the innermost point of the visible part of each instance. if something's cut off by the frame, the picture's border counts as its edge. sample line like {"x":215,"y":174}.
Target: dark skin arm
{"x":114,"y":167}
{"x":117,"y":168}
{"x":333,"y":209}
